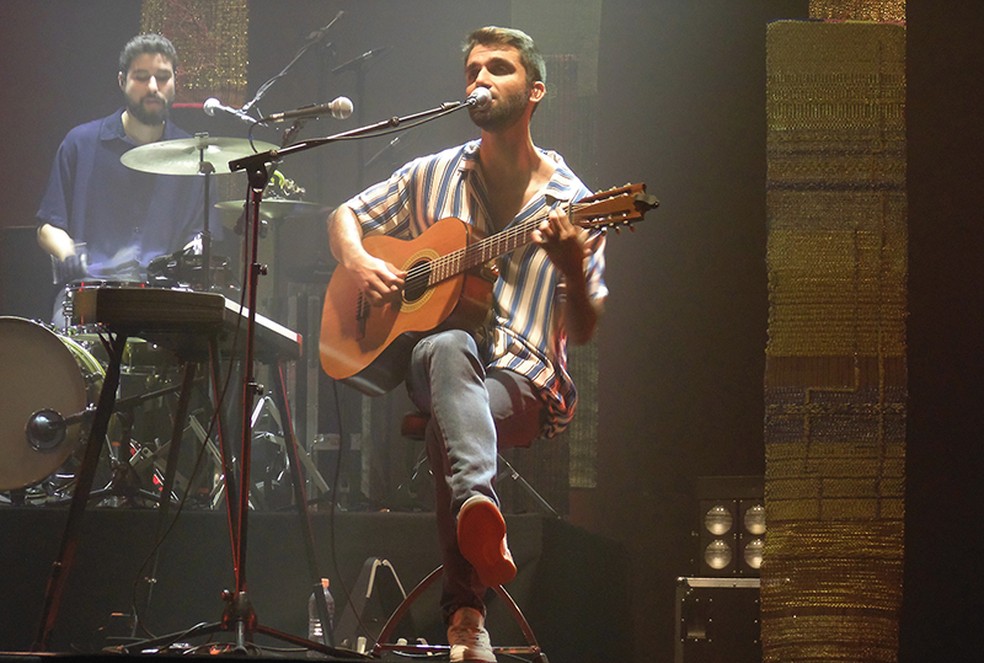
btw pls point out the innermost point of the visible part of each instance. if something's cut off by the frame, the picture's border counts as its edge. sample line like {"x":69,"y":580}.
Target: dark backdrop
{"x":944,"y":462}
{"x":681,"y":106}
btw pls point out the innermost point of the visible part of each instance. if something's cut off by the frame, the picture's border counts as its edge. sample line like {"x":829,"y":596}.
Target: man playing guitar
{"x":504,"y":382}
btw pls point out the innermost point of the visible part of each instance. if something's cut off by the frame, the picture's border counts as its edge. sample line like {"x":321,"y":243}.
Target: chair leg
{"x":518,"y":616}
{"x":383,"y":644}
{"x":511,"y":472}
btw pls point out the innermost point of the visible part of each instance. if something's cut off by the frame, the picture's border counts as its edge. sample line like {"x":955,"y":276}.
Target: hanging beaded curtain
{"x":835,"y":384}
{"x":211,"y":39}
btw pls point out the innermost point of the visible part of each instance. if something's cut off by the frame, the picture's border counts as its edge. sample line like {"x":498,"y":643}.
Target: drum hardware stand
{"x":265,"y":405}
{"x":170,"y":469}
{"x":184,"y":389}
{"x":206,"y":169}
{"x":46,"y":423}
{"x":506,"y":471}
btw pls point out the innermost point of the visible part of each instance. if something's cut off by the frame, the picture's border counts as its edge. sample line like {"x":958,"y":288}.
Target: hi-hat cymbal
{"x":276,"y":209}
{"x":184,"y":156}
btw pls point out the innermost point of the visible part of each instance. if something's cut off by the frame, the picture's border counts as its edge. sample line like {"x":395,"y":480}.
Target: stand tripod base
{"x":240,"y":621}
{"x":383,"y":644}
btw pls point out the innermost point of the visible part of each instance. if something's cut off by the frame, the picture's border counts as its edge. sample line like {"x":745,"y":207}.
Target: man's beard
{"x":505,"y":114}
{"x":145,"y":116}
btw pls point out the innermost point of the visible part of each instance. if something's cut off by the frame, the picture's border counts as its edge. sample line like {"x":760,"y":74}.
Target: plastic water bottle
{"x":315,"y":632}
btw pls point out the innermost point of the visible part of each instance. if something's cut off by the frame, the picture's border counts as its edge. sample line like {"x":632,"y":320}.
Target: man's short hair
{"x":147,"y":43}
{"x":529,"y":54}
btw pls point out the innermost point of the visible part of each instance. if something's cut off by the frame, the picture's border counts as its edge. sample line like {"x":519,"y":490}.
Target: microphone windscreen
{"x":480,"y":97}
{"x":210,"y":105}
{"x":341,"y":108}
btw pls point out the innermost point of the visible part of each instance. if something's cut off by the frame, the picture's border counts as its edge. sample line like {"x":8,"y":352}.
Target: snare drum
{"x":41,"y":370}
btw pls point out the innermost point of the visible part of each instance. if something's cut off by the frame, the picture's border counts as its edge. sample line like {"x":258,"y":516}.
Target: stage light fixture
{"x":718,"y":554}
{"x":731,"y":526}
{"x":718,"y":520}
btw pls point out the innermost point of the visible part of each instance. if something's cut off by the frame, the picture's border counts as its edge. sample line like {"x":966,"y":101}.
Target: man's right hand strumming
{"x":379,"y":281}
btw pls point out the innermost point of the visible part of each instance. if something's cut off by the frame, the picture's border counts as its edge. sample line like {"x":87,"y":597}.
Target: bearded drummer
{"x":101,"y":220}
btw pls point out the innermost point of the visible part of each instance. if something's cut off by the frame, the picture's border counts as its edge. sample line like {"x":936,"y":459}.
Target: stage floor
{"x":572,"y":586}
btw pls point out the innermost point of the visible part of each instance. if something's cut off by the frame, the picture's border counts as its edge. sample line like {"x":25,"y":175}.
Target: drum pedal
{"x":142,"y":459}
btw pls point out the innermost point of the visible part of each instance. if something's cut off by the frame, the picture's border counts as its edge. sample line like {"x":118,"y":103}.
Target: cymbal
{"x":276,"y":209}
{"x":183,"y":156}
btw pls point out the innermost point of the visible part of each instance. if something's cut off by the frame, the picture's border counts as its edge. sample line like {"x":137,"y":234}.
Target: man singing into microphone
{"x":124,"y":217}
{"x":505,"y":383}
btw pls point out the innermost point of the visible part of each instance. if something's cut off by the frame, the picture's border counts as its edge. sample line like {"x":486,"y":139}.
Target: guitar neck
{"x":487,"y":249}
{"x":613,"y":208}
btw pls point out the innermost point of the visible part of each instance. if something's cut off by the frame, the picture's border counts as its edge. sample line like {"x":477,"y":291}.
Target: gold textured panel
{"x":884,"y":11}
{"x":835,"y":383}
{"x":211,"y":37}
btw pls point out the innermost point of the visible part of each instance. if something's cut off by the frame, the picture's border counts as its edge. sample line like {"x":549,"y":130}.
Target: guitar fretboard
{"x":479,"y":253}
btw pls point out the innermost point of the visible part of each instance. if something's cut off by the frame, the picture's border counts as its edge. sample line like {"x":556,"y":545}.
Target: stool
{"x":414,"y":426}
{"x":532,"y":647}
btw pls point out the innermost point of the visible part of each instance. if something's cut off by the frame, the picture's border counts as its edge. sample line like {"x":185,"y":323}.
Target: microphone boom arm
{"x":313,"y":39}
{"x":258,"y":160}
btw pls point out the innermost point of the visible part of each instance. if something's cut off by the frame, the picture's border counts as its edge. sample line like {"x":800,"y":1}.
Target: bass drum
{"x":41,"y":371}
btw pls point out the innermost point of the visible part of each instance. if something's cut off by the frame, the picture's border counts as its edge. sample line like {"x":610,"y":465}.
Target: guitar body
{"x":368,"y":347}
{"x":448,"y":285}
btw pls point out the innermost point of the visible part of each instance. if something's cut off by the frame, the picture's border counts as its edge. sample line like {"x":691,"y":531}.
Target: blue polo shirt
{"x":125,"y":217}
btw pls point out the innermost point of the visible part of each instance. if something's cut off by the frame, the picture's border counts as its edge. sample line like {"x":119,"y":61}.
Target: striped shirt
{"x":526,"y":331}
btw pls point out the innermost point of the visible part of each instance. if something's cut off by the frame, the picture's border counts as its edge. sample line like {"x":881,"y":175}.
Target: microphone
{"x":339,"y":108}
{"x":480,"y":98}
{"x":212,"y":104}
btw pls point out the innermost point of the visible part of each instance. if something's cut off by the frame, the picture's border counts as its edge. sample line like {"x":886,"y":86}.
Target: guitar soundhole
{"x":418,"y":279}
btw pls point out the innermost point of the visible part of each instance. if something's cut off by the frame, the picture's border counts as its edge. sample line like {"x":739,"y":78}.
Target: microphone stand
{"x":313,"y":38}
{"x":239,"y":614}
{"x":360,"y":65}
{"x":251,"y":162}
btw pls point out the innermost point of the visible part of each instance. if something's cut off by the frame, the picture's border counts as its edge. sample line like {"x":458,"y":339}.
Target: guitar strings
{"x":459,"y":260}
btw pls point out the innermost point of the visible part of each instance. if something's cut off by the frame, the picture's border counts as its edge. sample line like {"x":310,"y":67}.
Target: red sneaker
{"x":482,"y":541}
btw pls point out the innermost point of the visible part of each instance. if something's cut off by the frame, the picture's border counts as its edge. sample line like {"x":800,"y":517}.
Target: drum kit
{"x":52,"y":377}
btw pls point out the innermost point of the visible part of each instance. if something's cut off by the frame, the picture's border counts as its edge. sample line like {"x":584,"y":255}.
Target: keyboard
{"x":182,"y":320}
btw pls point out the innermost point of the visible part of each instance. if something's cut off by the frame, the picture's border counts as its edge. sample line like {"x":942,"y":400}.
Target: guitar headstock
{"x":614,"y":208}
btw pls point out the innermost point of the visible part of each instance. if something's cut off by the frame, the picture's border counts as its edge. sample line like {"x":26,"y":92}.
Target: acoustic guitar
{"x":448,"y":285}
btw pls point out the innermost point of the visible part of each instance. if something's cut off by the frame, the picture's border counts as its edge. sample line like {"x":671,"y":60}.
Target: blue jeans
{"x":472,"y":414}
